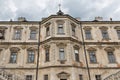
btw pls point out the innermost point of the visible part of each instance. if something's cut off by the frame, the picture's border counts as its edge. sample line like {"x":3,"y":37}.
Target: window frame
{"x":17,"y":34}
{"x":88,"y":36}
{"x":47,"y":55}
{"x":60,"y":28}
{"x":105,"y":34}
{"x":76,"y":54}
{"x":13,"y":54}
{"x":92,"y":54}
{"x":30,"y":77}
{"x":118,"y":33}
{"x":111,"y":58}
{"x":47,"y":31}
{"x":61,"y":51}
{"x":46,"y":77}
{"x":98,"y":77}
{"x":33,"y":35}
{"x":80,"y":77}
{"x":30,"y":54}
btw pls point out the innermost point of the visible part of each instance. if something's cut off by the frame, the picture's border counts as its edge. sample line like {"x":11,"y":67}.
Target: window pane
{"x":92,"y":57}
{"x":111,"y":57}
{"x":47,"y":55}
{"x":61,"y":54}
{"x":17,"y":34}
{"x":28,"y":77}
{"x":98,"y":77}
{"x":31,"y":56}
{"x":1,"y":34}
{"x":118,"y":33}
{"x":105,"y":34}
{"x":80,"y":77}
{"x":76,"y":55}
{"x":13,"y":57}
{"x":73,"y":30}
{"x":45,"y":77}
{"x":33,"y":34}
{"x":60,"y":28}
{"x":47,"y":31}
{"x":88,"y":34}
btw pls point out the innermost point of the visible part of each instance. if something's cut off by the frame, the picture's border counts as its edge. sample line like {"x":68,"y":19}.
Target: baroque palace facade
{"x":60,"y":47}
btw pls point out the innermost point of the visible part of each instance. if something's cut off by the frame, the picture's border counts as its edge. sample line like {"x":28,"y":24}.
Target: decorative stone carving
{"x":87,"y":27}
{"x":91,"y":49}
{"x":63,"y":75}
{"x":47,"y":24}
{"x":103,"y":28}
{"x":117,"y":27}
{"x":3,"y":27}
{"x":60,"y":21}
{"x":46,"y":46}
{"x":32,"y":48}
{"x":76,"y":46}
{"x":18,"y":27}
{"x":61,"y":44}
{"x":14,"y":49}
{"x":109,"y":49}
{"x":72,"y":24}
{"x":33,"y":28}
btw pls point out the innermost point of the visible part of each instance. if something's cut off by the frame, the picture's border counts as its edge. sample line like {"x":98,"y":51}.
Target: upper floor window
{"x":80,"y":77}
{"x":105,"y":34}
{"x":76,"y":52}
{"x":88,"y":34}
{"x":47,"y":55}
{"x":47,"y":31}
{"x":61,"y":54}
{"x":45,"y":77}
{"x":33,"y":34}
{"x":118,"y":33}
{"x":92,"y":57}
{"x":31,"y":56}
{"x":111,"y":57}
{"x":17,"y":34}
{"x":60,"y":29}
{"x":98,"y":77}
{"x":2,"y":34}
{"x":13,"y":57}
{"x":29,"y":77}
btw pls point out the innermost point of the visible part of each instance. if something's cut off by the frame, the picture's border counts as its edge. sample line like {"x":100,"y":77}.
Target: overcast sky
{"x":36,"y":9}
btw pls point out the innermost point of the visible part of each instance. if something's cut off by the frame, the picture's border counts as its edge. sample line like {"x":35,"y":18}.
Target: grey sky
{"x":36,"y":9}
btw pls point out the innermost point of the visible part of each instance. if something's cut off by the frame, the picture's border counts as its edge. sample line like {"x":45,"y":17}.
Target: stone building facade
{"x":69,"y":49}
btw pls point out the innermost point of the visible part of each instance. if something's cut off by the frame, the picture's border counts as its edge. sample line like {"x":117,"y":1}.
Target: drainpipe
{"x":38,"y":52}
{"x":85,"y":53}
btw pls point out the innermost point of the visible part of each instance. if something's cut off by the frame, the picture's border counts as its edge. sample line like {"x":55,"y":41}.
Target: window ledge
{"x":106,"y":39}
{"x":94,"y":63}
{"x":61,"y":33}
{"x":89,"y":39}
{"x":32,"y":39}
{"x":62,"y":61}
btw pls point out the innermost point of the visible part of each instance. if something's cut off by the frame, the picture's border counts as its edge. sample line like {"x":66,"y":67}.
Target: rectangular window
{"x":1,"y":34}
{"x":45,"y":77}
{"x":92,"y":57}
{"x":76,"y":55}
{"x":47,"y":55}
{"x":31,"y":56}
{"x":60,"y":29}
{"x":118,"y":33}
{"x":33,"y":34}
{"x":29,"y":77}
{"x":98,"y":77}
{"x":105,"y":34}
{"x":73,"y":30}
{"x":88,"y":34}
{"x":13,"y":57}
{"x":17,"y":34}
{"x":111,"y":57}
{"x":47,"y":31}
{"x":61,"y":54}
{"x":80,"y":77}
{"x":9,"y":77}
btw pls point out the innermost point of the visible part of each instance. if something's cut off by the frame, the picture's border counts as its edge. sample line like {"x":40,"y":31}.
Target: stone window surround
{"x":60,"y":22}
{"x":62,"y":45}
{"x":92,"y":49}
{"x":117,"y":28}
{"x":33,"y":28}
{"x":73,"y":26}
{"x":76,"y":47}
{"x":4,"y":29}
{"x":31,"y":49}
{"x":47,"y":47}
{"x":46,"y":26}
{"x":14,"y":49}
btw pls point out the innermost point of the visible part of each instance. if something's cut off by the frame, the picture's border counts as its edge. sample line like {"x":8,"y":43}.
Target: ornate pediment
{"x":87,"y":27}
{"x":63,"y":75}
{"x":18,"y":27}
{"x":60,"y":21}
{"x":117,"y":27}
{"x":103,"y":27}
{"x":61,"y":44}
{"x":91,"y":49}
{"x":14,"y":49}
{"x":33,"y":28}
{"x":109,"y":49}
